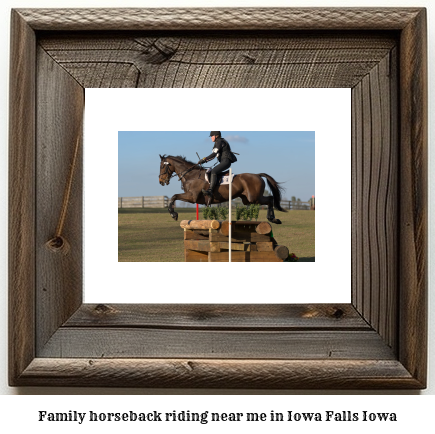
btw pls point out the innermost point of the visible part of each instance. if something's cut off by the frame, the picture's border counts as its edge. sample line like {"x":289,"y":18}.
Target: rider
{"x":222,"y":151}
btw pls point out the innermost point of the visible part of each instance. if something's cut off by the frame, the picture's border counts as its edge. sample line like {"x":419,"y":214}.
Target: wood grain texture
{"x":228,"y":374}
{"x":375,"y":198}
{"x":219,"y":317}
{"x":236,"y":60}
{"x":220,"y":18}
{"x":200,"y":224}
{"x":413,"y":188}
{"x":126,"y":342}
{"x":60,"y":105}
{"x":239,"y":236}
{"x":21,"y":197}
{"x":378,"y":342}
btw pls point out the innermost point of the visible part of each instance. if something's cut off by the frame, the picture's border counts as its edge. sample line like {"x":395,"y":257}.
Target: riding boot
{"x":213,"y":182}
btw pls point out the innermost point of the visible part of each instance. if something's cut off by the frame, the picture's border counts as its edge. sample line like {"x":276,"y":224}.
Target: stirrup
{"x":207,"y":192}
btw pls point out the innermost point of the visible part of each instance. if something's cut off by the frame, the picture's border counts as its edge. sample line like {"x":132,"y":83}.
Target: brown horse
{"x":248,"y":186}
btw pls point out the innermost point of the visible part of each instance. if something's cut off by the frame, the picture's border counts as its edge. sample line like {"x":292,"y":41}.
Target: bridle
{"x":166,"y":172}
{"x":170,"y":175}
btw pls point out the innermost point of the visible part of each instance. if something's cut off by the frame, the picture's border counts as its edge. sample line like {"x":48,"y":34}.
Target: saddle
{"x":223,"y":178}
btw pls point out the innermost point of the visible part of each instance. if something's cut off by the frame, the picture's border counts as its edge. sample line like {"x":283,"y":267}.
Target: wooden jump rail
{"x":207,"y":241}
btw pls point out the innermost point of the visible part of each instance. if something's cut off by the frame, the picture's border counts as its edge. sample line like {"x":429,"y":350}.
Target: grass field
{"x":151,"y":235}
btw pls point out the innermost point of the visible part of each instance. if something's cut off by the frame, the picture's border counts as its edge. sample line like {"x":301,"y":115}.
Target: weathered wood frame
{"x":377,"y":341}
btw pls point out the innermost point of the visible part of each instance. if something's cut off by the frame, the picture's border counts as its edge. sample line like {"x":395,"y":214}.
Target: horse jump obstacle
{"x":208,"y":241}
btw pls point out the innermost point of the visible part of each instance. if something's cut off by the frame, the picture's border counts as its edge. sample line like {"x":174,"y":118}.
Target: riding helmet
{"x":215,"y":133}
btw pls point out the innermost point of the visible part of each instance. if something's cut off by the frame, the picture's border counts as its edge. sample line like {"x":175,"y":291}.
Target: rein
{"x":169,"y":177}
{"x":186,"y":171}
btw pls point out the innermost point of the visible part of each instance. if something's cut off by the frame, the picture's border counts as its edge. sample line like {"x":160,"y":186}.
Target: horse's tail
{"x":276,"y":190}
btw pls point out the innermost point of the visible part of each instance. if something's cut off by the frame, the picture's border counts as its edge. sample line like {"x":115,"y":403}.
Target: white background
{"x":325,"y":111}
{"x":20,"y":412}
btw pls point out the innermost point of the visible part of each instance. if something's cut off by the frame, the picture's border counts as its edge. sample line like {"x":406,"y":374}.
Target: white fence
{"x":143,"y":202}
{"x":295,"y":205}
{"x":286,"y":204}
{"x":163,"y":202}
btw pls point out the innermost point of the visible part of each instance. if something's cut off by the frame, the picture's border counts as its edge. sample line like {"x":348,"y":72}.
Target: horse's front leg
{"x":173,"y":214}
{"x":185,"y":197}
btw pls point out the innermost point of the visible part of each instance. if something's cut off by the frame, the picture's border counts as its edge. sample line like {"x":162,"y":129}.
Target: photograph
{"x":195,"y":204}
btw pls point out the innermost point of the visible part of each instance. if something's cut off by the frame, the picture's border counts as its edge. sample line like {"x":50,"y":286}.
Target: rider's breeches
{"x":221,"y":167}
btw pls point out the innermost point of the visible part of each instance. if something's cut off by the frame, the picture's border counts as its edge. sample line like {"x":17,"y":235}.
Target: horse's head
{"x":166,"y":171}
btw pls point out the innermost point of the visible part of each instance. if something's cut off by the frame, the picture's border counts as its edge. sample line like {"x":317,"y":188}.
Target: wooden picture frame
{"x":378,"y":341}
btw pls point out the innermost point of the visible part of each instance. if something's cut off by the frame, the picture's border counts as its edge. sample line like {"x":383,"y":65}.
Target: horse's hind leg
{"x":245,"y":200}
{"x":268,"y":200}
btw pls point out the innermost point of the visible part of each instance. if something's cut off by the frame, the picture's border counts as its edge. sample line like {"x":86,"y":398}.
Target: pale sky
{"x":288,"y":156}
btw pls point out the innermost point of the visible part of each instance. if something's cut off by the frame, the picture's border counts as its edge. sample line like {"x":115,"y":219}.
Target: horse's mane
{"x":182,"y":158}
